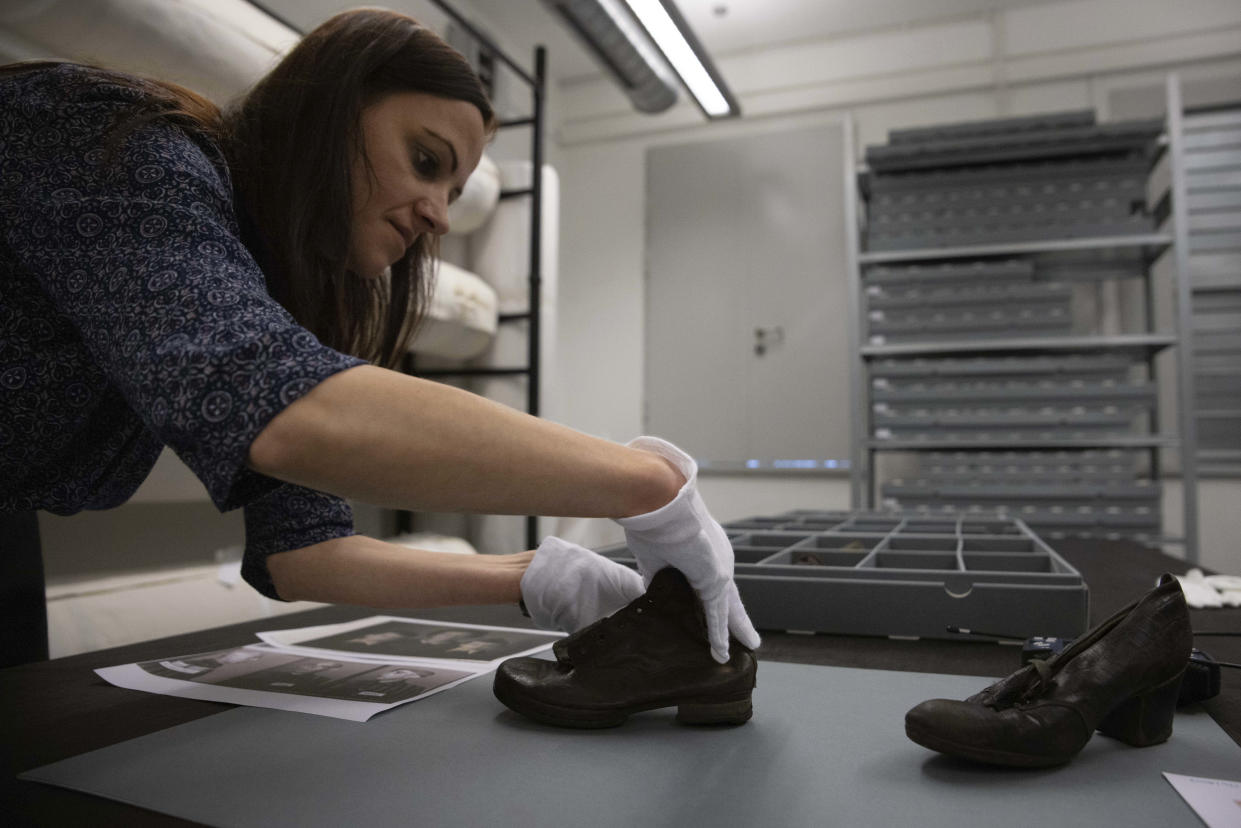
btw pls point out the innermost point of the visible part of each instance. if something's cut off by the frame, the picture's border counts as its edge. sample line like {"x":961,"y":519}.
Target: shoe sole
{"x":689,"y":711}
{"x":1143,"y":720}
{"x":977,"y":754}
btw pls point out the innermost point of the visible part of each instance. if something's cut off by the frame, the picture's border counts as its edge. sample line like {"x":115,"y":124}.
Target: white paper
{"x":346,"y":671}
{"x":410,"y":640}
{"x":260,"y":676}
{"x":1217,"y":802}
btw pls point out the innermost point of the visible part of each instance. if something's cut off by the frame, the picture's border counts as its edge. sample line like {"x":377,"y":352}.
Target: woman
{"x":232,"y":284}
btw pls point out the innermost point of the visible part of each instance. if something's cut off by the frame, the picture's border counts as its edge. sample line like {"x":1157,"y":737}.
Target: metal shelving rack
{"x":536,"y":81}
{"x":984,"y":445}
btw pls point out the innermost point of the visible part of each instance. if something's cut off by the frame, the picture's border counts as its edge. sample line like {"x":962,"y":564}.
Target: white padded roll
{"x":461,"y":320}
{"x":500,"y":250}
{"x":478,"y":199}
{"x":500,"y":254}
{"x":215,"y":47}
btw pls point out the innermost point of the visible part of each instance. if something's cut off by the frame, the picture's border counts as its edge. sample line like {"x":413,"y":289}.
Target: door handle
{"x":765,"y":338}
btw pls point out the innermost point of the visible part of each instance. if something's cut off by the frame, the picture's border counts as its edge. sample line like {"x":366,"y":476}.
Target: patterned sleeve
{"x":289,"y":517}
{"x":142,"y":254}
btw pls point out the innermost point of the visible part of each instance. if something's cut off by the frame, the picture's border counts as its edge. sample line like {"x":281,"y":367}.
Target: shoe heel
{"x":1145,"y":719}
{"x":733,"y":712}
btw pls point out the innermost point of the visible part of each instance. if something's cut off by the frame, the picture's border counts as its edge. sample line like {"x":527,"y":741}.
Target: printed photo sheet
{"x":346,"y":671}
{"x":261,"y":676}
{"x":392,"y":639}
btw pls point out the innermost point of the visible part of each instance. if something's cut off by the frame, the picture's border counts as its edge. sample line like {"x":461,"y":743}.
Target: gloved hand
{"x":683,"y":534}
{"x":567,"y":587}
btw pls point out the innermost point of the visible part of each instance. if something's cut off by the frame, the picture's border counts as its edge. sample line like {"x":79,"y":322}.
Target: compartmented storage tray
{"x":902,"y":574}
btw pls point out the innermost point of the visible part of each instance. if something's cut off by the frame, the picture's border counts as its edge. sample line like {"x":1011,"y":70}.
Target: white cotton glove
{"x":567,"y":587}
{"x":682,"y":534}
{"x":1228,"y":587}
{"x":1198,"y":593}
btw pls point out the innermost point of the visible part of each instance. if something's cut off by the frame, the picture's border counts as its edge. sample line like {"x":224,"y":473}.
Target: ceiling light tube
{"x":664,"y":23}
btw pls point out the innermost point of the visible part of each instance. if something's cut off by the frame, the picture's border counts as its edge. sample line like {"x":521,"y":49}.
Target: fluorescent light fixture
{"x":672,"y":35}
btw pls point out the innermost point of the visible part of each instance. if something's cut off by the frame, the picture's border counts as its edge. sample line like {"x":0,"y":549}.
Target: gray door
{"x":746,"y":299}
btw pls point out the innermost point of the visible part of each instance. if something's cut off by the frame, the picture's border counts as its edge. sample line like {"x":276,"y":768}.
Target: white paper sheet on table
{"x":1217,"y":802}
{"x":346,"y":671}
{"x":400,"y":640}
{"x":262,"y":676}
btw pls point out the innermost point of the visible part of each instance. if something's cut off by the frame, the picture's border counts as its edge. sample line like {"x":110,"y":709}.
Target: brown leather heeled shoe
{"x":1121,"y":678}
{"x":650,"y":654}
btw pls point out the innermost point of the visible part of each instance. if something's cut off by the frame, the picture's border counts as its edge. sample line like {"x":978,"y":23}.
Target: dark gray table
{"x":57,"y":709}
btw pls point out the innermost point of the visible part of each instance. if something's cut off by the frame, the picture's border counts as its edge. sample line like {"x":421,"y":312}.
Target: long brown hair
{"x":289,"y":143}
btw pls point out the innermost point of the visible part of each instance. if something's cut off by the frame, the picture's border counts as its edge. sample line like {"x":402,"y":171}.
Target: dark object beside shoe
{"x":650,"y":654}
{"x":1121,"y":678}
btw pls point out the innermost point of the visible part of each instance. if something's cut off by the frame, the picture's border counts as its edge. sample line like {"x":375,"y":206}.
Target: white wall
{"x":1043,"y":58}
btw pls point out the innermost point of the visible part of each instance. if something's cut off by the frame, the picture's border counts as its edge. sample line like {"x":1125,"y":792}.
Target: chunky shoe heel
{"x":1145,"y":719}
{"x":733,"y":712}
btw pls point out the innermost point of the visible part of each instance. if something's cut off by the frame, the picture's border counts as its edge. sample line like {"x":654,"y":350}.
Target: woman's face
{"x":421,"y":150}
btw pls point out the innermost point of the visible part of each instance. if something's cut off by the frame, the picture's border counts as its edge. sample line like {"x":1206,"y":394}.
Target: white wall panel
{"x":602,"y":208}
{"x":878,"y":54}
{"x":1164,"y":51}
{"x":1090,"y":23}
{"x":1031,"y":99}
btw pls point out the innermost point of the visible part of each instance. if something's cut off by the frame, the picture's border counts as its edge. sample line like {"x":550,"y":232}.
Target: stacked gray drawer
{"x":1100,"y":493}
{"x":902,"y":574}
{"x":985,"y":248}
{"x":982,"y":402}
{"x":1007,"y":181}
{"x":962,"y":300}
{"x":988,"y":400}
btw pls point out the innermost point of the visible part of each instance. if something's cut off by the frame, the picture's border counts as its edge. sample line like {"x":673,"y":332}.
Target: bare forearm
{"x":394,"y":440}
{"x":367,"y":572}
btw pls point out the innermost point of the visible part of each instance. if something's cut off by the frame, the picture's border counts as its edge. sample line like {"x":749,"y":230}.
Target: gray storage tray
{"x":926,"y":238}
{"x":950,"y":272}
{"x":946,"y":179}
{"x":1069,"y":366}
{"x":1014,"y":393}
{"x":965,"y":296}
{"x":992,"y":127}
{"x":1116,"y":137}
{"x":901,"y":574}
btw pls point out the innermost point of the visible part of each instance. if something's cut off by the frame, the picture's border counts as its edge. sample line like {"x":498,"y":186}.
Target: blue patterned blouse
{"x":132,"y":316}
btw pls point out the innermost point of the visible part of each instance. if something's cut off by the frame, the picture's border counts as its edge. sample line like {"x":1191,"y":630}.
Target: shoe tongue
{"x":672,"y":598}
{"x":670,"y":590}
{"x":668,"y":581}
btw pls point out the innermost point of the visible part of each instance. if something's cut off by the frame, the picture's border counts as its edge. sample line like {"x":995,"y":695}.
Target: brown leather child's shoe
{"x":650,"y":654}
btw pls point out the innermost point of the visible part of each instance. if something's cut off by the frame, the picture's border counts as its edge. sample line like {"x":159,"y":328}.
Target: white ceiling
{"x":731,"y":26}
{"x":724,"y":26}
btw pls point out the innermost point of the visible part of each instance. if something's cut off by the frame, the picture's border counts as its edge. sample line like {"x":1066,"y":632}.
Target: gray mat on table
{"x":826,"y":747}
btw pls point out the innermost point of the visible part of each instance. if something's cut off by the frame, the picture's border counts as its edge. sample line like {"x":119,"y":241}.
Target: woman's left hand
{"x":567,"y":587}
